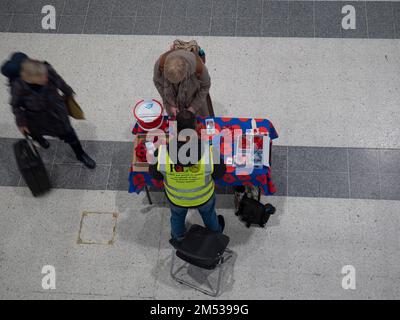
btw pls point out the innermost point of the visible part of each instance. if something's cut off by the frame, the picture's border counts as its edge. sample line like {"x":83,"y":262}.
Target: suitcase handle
{"x":29,"y":139}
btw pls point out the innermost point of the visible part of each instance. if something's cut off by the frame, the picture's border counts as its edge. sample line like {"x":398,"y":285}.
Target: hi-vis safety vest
{"x":187,"y":186}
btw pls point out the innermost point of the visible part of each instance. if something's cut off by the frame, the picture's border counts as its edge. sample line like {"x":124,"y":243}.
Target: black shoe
{"x":43,"y":143}
{"x":87,"y":161}
{"x":221,"y":221}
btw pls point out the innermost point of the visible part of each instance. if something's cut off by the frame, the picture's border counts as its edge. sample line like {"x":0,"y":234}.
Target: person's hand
{"x":191,"y":109}
{"x":174,"y":111}
{"x":24,"y":130}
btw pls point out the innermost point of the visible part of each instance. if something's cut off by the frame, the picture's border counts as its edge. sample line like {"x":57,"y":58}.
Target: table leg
{"x":210,"y":107}
{"x":148,"y":195}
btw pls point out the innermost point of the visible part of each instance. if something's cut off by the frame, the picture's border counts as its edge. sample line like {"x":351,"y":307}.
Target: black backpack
{"x":252,"y":211}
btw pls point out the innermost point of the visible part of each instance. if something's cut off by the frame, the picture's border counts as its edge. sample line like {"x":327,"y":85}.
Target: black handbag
{"x":252,"y":212}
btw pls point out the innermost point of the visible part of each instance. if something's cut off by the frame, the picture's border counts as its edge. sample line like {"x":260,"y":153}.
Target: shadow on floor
{"x":154,"y":219}
{"x":193,"y":274}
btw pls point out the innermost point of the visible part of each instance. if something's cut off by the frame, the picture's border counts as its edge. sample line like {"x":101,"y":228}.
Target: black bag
{"x":201,"y":247}
{"x":252,"y":211}
{"x":31,"y":167}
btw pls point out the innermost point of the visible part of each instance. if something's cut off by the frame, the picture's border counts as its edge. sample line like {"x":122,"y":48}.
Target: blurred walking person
{"x":39,"y":98}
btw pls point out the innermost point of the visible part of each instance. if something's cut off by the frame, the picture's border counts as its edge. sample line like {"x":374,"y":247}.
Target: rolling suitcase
{"x":31,"y":167}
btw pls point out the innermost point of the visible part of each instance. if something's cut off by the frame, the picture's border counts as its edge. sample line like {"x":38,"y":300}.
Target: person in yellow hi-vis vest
{"x":189,"y":185}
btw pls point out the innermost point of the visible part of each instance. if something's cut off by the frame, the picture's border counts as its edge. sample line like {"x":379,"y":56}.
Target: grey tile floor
{"x":296,"y":171}
{"x":255,"y":18}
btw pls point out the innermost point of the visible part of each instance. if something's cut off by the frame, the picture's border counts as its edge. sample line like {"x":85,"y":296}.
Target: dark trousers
{"x":71,"y":138}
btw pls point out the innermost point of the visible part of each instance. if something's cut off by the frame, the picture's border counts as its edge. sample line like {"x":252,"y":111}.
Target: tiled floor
{"x":333,"y":101}
{"x":296,"y":171}
{"x":241,"y":18}
{"x":299,"y":255}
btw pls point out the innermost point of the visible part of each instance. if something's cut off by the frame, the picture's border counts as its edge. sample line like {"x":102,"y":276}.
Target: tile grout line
{"x":109,"y":169}
{"x":158,"y":254}
{"x":86,"y":15}
{"x":135,"y":19}
{"x":236,"y":20}
{"x":63,"y":9}
{"x":61,"y":16}
{"x":341,"y":29}
{"x":287,"y":171}
{"x":379,"y":175}
{"x":111,"y":17}
{"x":316,"y":171}
{"x":287,"y":19}
{"x":211,"y":15}
{"x":262,"y":11}
{"x":314,"y":18}
{"x":394,"y":22}
{"x":159,"y":22}
{"x":108,"y":176}
{"x":186,"y":11}
{"x":10,"y":23}
{"x":53,"y":162}
{"x":262,"y":19}
{"x":59,"y":25}
{"x":185,"y":20}
{"x":348,"y":171}
{"x":366,"y":18}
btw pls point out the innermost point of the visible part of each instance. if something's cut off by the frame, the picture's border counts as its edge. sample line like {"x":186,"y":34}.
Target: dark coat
{"x":44,"y":112}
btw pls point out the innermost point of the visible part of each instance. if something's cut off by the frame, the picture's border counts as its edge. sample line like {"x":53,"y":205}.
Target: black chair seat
{"x":201,"y":247}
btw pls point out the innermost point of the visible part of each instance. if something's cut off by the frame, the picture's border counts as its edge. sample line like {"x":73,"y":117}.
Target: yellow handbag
{"x":74,"y":110}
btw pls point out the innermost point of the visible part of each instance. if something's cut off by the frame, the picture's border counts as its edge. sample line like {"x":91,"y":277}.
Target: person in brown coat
{"x":38,"y":101}
{"x":180,"y":84}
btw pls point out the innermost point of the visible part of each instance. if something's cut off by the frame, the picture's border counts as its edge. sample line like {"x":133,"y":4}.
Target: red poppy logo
{"x":263,"y":129}
{"x":230,"y":169}
{"x":228,"y":178}
{"x":226,"y":119}
{"x":262,"y":179}
{"x":178,"y":168}
{"x":243,"y":177}
{"x":247,"y":183}
{"x":138,"y":180}
{"x":157,"y":183}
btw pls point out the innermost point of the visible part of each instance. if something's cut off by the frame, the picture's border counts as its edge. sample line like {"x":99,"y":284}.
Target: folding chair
{"x":204,"y":249}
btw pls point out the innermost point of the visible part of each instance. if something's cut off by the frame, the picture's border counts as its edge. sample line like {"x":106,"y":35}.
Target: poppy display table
{"x":258,"y":177}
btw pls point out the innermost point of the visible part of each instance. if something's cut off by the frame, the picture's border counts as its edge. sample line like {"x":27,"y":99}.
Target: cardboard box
{"x":137,"y":165}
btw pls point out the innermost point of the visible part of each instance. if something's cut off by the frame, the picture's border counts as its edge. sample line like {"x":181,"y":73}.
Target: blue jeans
{"x":207,"y":212}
